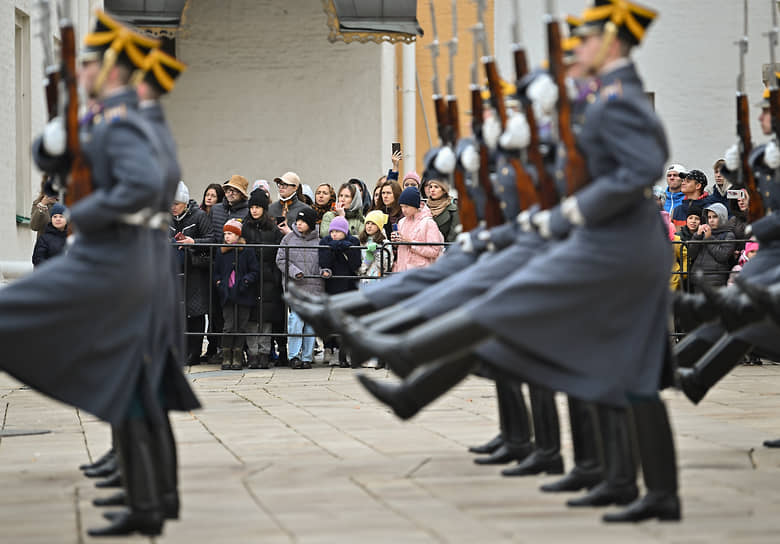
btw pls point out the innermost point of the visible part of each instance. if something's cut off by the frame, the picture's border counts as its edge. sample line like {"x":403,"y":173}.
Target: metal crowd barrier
{"x":209,"y":251}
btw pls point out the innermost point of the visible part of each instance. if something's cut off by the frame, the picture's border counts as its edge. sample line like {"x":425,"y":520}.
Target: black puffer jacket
{"x":49,"y":244}
{"x":222,"y":212}
{"x":269,"y":285}
{"x":196,"y":224}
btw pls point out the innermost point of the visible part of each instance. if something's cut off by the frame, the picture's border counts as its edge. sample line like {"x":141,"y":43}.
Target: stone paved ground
{"x":307,"y":456}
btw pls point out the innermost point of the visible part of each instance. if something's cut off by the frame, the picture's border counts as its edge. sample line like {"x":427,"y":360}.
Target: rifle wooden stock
{"x":493,"y":214}
{"x":756,"y":204}
{"x":80,"y":180}
{"x":467,"y":210}
{"x":575,"y":170}
{"x":526,"y":191}
{"x":548,"y":193}
{"x":442,"y":117}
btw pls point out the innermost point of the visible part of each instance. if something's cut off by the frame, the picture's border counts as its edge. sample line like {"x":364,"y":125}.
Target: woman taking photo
{"x":349,"y":205}
{"x":390,"y":193}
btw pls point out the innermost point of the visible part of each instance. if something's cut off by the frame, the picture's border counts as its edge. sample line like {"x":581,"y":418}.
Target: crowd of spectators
{"x":706,"y":223}
{"x":325,"y":240}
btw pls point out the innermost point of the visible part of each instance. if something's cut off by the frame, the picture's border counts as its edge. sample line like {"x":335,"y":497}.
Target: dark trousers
{"x":236,"y":319}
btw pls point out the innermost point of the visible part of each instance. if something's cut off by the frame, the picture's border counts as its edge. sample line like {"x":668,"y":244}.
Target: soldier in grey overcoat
{"x":569,"y":318}
{"x":118,"y":355}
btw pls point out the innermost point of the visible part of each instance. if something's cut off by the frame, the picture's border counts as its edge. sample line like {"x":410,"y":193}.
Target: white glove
{"x":517,"y":134}
{"x":469,"y":159}
{"x":54,"y":137}
{"x":445,"y":160}
{"x":524,"y":220}
{"x":731,"y":156}
{"x":543,"y":91}
{"x":772,"y":154}
{"x":491,"y":130}
{"x":541,"y":221}
{"x":464,"y":239}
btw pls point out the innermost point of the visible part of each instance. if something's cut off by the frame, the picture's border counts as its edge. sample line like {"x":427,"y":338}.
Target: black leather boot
{"x":318,"y":310}
{"x":659,"y":466}
{"x":772,"y":443}
{"x":117,"y":499}
{"x":113,"y":480}
{"x":422,"y":387}
{"x":488,"y":447}
{"x":103,"y":470}
{"x":734,"y":308}
{"x":587,"y":471}
{"x":619,"y":460}
{"x":456,"y":330}
{"x":546,"y":456}
{"x":765,"y":299}
{"x":166,"y":468}
{"x":137,"y":460}
{"x":693,"y":308}
{"x":515,"y":424}
{"x":718,"y":361}
{"x":394,"y":319}
{"x":101,"y":460}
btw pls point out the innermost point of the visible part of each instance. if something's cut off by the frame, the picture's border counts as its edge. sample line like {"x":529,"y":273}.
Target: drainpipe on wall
{"x":409,"y":101}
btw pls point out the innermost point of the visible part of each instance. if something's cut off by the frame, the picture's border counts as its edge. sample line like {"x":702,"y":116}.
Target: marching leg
{"x":659,"y":466}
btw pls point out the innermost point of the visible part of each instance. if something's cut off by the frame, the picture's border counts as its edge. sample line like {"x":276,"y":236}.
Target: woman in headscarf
{"x":443,"y":209}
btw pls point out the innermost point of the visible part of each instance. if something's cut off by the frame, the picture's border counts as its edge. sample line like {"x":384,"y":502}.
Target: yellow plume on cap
{"x":120,"y":37}
{"x":623,"y":14}
{"x":163,"y":67}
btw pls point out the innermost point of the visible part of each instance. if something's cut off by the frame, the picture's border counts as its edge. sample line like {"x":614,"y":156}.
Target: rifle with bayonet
{"x":493,"y":214}
{"x":51,"y":74}
{"x":548,"y":194}
{"x":526,"y":191}
{"x":575,"y":170}
{"x":80,"y":181}
{"x":745,"y":175}
{"x":439,"y":106}
{"x":467,"y":210}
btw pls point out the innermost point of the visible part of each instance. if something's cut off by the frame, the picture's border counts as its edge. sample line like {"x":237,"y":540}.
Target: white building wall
{"x":266,"y":92}
{"x":17,"y":239}
{"x":687,"y":59}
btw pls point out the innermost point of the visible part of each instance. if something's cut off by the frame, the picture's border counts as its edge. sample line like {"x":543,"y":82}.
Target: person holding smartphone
{"x":289,"y":203}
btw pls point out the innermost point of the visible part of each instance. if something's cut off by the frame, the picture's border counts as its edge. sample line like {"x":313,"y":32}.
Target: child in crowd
{"x":52,"y":242}
{"x":339,"y":262}
{"x":235,"y":274}
{"x":377,"y":257}
{"x":260,"y":228}
{"x":751,"y":248}
{"x":301,"y":264}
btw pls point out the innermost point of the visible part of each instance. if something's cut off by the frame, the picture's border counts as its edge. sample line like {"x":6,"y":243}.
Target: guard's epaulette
{"x":611,"y":91}
{"x":116,"y":113}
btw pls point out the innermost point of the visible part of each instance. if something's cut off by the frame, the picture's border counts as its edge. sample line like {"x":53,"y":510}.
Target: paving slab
{"x":308,"y":456}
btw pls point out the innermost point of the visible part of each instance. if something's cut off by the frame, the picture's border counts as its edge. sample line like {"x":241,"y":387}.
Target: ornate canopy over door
{"x":377,"y":21}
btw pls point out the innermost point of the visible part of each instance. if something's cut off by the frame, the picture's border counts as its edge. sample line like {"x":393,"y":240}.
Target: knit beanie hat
{"x":377,"y":217}
{"x":751,"y":246}
{"x":234,"y":226}
{"x":308,"y":216}
{"x":410,"y":197}
{"x":340,"y":224}
{"x":57,"y":209}
{"x":259,"y":198}
{"x":182,"y":193}
{"x":412,"y":175}
{"x":262,"y":184}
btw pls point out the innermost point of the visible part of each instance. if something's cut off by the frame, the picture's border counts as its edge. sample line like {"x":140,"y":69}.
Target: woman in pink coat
{"x":417,"y":225}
